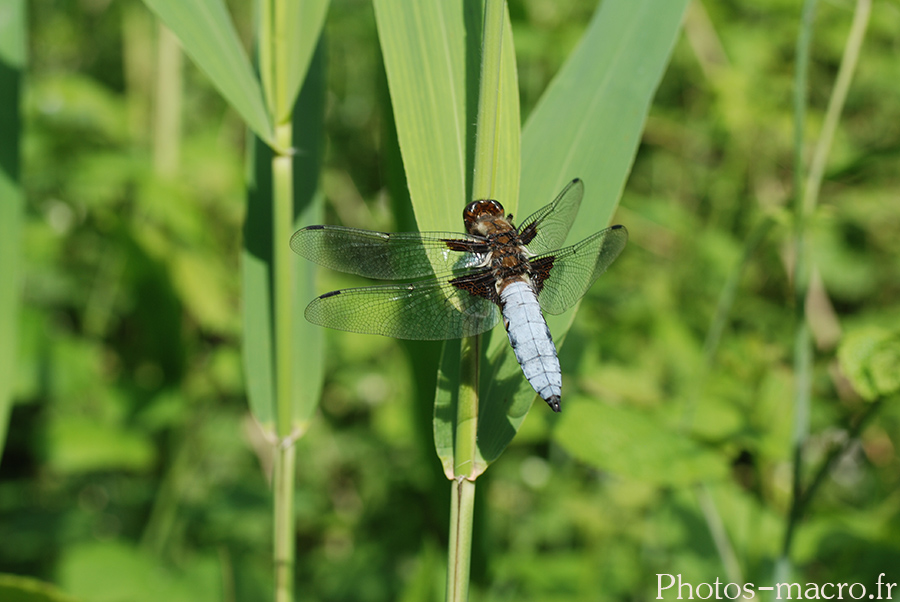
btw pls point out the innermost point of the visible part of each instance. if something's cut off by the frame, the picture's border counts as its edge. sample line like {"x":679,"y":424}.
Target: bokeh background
{"x":133,"y":471}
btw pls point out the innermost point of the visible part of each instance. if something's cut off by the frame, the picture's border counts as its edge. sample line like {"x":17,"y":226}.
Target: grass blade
{"x":209,"y":38}
{"x":257,"y":266}
{"x":12,"y":63}
{"x":432,"y":59}
{"x":305,"y":20}
{"x":432,"y":54}
{"x":587,"y":124}
{"x":805,"y":200}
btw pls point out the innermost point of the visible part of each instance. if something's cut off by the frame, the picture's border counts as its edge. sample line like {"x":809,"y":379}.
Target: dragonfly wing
{"x":384,"y":256}
{"x":425,"y":310}
{"x":546,"y":229}
{"x":566,"y":275}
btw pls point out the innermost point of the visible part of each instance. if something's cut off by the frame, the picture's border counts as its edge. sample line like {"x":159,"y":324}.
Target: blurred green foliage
{"x":133,"y":472}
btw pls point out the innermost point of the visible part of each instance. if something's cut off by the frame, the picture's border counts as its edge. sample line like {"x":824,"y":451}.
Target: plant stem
{"x":836,"y":103}
{"x":463,"y":486}
{"x":806,"y":198}
{"x":275,"y":76}
{"x":719,"y":534}
{"x":834,"y":455}
{"x":283,"y":217}
{"x":467,"y":409}
{"x":802,"y":340}
{"x":283,"y":477}
{"x":462,"y":504}
{"x":465,"y":447}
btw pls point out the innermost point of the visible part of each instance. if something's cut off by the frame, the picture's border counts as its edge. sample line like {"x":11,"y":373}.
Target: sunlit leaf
{"x":432,"y":58}
{"x":12,"y":57}
{"x":305,"y":24}
{"x":207,"y":34}
{"x":257,"y":267}
{"x":587,"y":124}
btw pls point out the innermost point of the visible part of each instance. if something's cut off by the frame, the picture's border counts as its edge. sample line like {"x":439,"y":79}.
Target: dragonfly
{"x":460,"y":285}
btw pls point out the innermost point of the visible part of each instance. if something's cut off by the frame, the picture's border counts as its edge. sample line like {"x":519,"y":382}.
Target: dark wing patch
{"x":479,"y":284}
{"x":540,"y":269}
{"x":467,"y":246}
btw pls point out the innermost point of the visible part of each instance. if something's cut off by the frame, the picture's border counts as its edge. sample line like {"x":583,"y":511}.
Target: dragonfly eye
{"x":479,"y":209}
{"x":478,"y":212}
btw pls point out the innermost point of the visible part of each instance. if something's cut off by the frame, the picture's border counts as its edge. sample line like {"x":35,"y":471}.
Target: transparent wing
{"x":549,"y":225}
{"x":425,"y":310}
{"x":571,"y":271}
{"x":384,"y":256}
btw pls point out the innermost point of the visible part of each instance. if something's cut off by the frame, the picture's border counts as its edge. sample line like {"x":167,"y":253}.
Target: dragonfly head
{"x":478,"y":213}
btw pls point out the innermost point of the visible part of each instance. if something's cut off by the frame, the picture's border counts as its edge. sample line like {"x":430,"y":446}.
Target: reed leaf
{"x":208,"y":36}
{"x":259,"y":323}
{"x":12,"y":63}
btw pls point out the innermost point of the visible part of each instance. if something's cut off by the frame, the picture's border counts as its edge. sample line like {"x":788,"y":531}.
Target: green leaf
{"x":207,"y":34}
{"x":869,"y":358}
{"x":432,"y":59}
{"x":12,"y":63}
{"x":587,"y":124}
{"x":432,"y":56}
{"x":14,"y":588}
{"x":306,"y":19}
{"x":631,"y":444}
{"x":257,"y":268}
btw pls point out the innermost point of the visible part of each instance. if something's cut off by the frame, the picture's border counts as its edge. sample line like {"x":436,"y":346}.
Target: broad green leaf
{"x":432,"y":58}
{"x":12,"y":63}
{"x":257,"y":265}
{"x":587,"y":124}
{"x":306,"y":19}
{"x":15,"y":588}
{"x":12,"y":42}
{"x":205,"y":30}
{"x":869,"y":358}
{"x":431,"y":54}
{"x":631,"y":444}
